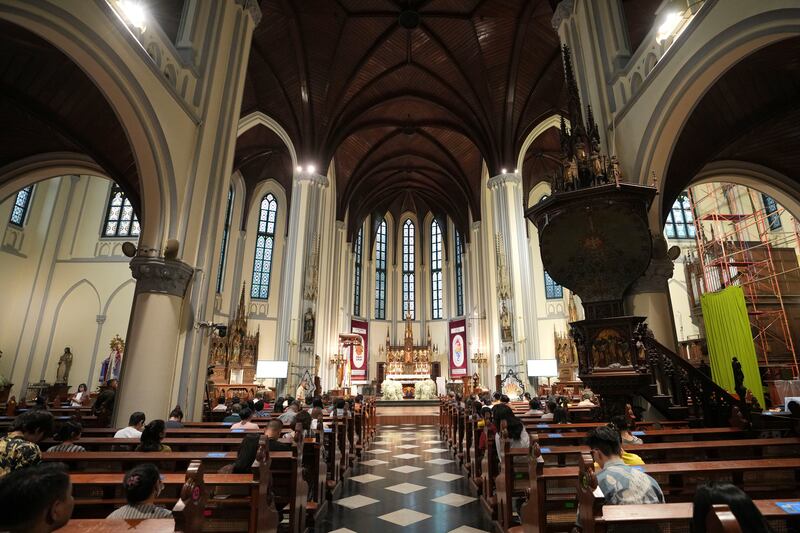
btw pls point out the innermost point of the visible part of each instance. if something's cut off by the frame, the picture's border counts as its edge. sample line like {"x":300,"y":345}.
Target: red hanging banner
{"x":359,"y":355}
{"x":458,"y":348}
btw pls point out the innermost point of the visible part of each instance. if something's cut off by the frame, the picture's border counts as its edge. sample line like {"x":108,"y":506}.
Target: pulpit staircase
{"x":681,"y":392}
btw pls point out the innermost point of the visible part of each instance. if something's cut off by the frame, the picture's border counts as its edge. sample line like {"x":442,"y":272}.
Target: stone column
{"x":150,"y":376}
{"x":509,"y":222}
{"x":304,"y":223}
{"x":649,"y":296}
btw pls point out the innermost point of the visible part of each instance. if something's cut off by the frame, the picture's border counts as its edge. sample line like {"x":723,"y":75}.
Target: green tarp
{"x":729,"y":335}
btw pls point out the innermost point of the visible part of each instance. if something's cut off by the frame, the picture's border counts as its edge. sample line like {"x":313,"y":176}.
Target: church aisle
{"x":407,"y":481}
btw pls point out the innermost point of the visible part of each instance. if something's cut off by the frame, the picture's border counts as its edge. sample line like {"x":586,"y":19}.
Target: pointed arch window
{"x":120,"y":218}
{"x":265,"y":247}
{"x":771,"y":209}
{"x":552,"y":290}
{"x":224,"y":249}
{"x":357,"y":275}
{"x":436,"y":270}
{"x":459,"y":277}
{"x":22,"y":201}
{"x":680,"y":220}
{"x":408,"y":269}
{"x":380,"y":271}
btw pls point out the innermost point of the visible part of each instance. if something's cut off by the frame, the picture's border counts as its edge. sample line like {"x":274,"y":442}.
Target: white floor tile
{"x":373,"y":462}
{"x":445,"y":476}
{"x":454,"y":500}
{"x":377,"y":451}
{"x":406,"y":456}
{"x":405,"y":488}
{"x":366,"y":478}
{"x":404,"y":517}
{"x":439,"y":461}
{"x":436,"y":450}
{"x":431,"y":442}
{"x":407,"y":446}
{"x":345,"y":530}
{"x":406,"y":469}
{"x":466,"y":529}
{"x":354,"y":502}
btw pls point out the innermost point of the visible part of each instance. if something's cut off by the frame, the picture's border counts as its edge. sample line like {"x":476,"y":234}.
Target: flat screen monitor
{"x":272,"y":369}
{"x":542,"y":368}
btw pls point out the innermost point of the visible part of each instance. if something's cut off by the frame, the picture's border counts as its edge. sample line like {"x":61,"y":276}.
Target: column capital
{"x":313,"y":178}
{"x":504,"y":179}
{"x":252,"y":8}
{"x":161,"y":276}
{"x":562,"y":12}
{"x":476,"y":225}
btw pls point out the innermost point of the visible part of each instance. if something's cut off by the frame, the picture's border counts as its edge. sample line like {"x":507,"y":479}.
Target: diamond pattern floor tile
{"x":445,"y":476}
{"x":405,"y":488}
{"x":374,"y":462}
{"x":406,"y":456}
{"x":466,"y":529}
{"x":406,"y":469}
{"x":354,"y":502}
{"x":431,"y":442}
{"x":436,"y":450}
{"x":453,"y":499}
{"x":404,"y":517}
{"x":407,"y":446}
{"x":377,"y":451}
{"x":345,"y":530}
{"x":439,"y":461}
{"x":366,"y":478}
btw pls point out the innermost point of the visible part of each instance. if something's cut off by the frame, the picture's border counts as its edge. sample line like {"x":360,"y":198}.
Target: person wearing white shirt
{"x":134,"y":428}
{"x":81,"y":396}
{"x":220,"y":405}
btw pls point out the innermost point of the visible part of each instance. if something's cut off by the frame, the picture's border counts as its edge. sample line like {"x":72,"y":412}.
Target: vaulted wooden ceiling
{"x":751,"y":114}
{"x":407,"y":97}
{"x":48,"y":104}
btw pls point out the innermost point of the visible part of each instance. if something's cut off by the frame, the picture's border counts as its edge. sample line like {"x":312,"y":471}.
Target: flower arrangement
{"x":425,"y":390}
{"x":392,"y":390}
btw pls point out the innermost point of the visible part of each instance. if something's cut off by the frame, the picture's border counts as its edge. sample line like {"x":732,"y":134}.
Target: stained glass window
{"x":380,"y":271}
{"x":21,"y":203}
{"x":436,"y":270}
{"x":552,"y":290}
{"x":265,"y":247}
{"x":771,"y":208}
{"x":120,"y":219}
{"x":357,"y":275}
{"x":223,"y":250}
{"x":459,"y":277}
{"x":680,"y":221}
{"x":408,"y":269}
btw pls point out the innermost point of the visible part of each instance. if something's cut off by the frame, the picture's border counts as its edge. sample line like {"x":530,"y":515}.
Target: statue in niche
{"x":308,"y":326}
{"x":614,"y":172}
{"x":505,"y":325}
{"x":64,"y":364}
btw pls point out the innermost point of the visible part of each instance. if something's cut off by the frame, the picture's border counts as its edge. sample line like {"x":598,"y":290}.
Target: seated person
{"x":245,"y":422}
{"x":36,"y":499}
{"x":245,"y":457}
{"x":151,"y":438}
{"x":67,"y":434}
{"x":278,"y":407}
{"x":505,"y":399}
{"x":526,"y":396}
{"x":550,"y":409}
{"x":316,"y":413}
{"x":220,"y":405}
{"x":621,"y":484}
{"x":134,"y":428}
{"x":104,"y":403}
{"x":622,"y":424}
{"x":290,"y":414}
{"x":587,"y":399}
{"x":535,"y":408}
{"x":142,"y":485}
{"x":303,"y":417}
{"x":175,"y":418}
{"x":747,"y":514}
{"x":316,"y":402}
{"x":81,"y":397}
{"x":516,"y":430}
{"x":19,"y":449}
{"x":276,"y":443}
{"x":260,"y":410}
{"x":234,"y":416}
{"x":496,"y":398}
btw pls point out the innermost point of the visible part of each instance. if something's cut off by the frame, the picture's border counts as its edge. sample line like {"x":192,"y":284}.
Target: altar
{"x":409,"y":363}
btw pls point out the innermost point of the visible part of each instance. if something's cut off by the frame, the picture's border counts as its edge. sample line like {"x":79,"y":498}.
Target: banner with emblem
{"x":458,"y":348}
{"x":359,"y":360}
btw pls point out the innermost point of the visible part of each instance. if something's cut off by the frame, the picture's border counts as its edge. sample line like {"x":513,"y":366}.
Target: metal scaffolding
{"x":737,"y":242}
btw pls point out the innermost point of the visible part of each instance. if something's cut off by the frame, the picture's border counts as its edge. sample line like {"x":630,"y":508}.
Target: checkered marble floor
{"x":405,"y":483}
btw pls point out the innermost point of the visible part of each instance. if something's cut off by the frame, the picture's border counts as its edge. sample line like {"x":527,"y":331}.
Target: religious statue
{"x":614,"y":172}
{"x":308,"y":326}
{"x":597,"y":168}
{"x":505,"y":325}
{"x":64,"y":364}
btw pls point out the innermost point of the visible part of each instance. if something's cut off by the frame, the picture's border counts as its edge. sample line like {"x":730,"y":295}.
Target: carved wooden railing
{"x":688,"y":386}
